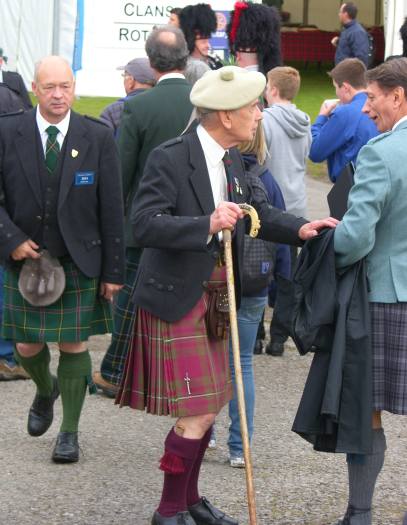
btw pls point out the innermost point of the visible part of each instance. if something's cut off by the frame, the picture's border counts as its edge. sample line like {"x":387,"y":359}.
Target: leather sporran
{"x":42,"y":281}
{"x":217,"y":314}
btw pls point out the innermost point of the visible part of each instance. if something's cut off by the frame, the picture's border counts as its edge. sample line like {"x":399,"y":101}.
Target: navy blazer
{"x":170,"y":218}
{"x":90,"y":217}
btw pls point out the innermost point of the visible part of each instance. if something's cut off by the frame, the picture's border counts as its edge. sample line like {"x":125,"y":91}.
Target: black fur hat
{"x":255,"y":28}
{"x":199,"y":18}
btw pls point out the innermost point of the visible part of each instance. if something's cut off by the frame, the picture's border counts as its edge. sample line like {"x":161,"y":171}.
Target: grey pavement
{"x":117,"y":481}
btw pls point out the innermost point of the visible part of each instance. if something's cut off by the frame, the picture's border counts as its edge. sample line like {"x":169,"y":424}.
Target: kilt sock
{"x":362,"y":481}
{"x":192,"y":492}
{"x":177,"y":463}
{"x":74,"y":371}
{"x":38,"y":368}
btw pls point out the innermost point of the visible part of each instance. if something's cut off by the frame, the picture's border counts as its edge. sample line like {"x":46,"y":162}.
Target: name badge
{"x":84,"y":178}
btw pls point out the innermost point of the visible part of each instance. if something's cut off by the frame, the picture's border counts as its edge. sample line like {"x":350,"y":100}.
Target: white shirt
{"x":214,"y":154}
{"x":43,"y":125}
{"x":399,"y":122}
{"x":1,"y":75}
{"x":171,"y":75}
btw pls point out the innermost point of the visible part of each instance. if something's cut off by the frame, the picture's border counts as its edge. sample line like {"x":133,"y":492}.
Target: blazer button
{"x":215,"y":254}
{"x":117,"y":240}
{"x":151,"y":281}
{"x":94,"y":243}
{"x":160,"y":286}
{"x":170,"y":288}
{"x":39,"y":218}
{"x":205,"y":284}
{"x":116,"y":270}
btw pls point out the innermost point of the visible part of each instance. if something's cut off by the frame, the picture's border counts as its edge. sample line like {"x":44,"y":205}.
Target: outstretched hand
{"x":311,"y":229}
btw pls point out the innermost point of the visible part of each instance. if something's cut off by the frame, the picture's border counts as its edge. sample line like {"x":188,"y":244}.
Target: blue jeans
{"x":248,"y":318}
{"x":6,"y":347}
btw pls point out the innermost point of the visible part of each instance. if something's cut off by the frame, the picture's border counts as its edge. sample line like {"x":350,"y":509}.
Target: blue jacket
{"x":283,"y":257}
{"x":376,"y":221}
{"x":353,"y":43}
{"x":339,"y":137}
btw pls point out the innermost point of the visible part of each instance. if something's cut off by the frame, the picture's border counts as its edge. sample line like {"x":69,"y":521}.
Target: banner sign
{"x":116,"y":32}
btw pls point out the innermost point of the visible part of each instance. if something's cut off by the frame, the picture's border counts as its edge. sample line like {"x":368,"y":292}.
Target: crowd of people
{"x":115,"y":225}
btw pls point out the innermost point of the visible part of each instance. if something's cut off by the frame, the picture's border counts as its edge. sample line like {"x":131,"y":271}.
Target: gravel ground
{"x":117,"y":481}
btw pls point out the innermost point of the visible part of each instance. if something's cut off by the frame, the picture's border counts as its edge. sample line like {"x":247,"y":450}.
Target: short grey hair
{"x":166,"y":52}
{"x":195,"y":69}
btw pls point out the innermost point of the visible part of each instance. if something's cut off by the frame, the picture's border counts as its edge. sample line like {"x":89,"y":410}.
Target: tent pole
{"x":55,"y":28}
{"x":305,"y":9}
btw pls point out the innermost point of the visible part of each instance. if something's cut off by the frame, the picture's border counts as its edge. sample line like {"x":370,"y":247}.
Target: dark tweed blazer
{"x":171,"y":215}
{"x":90,"y":216}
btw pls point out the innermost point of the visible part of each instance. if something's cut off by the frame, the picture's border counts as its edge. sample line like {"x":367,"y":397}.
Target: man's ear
{"x":399,"y":96}
{"x":225,"y":117}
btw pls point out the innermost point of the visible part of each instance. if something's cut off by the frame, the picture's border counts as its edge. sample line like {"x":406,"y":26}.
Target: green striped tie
{"x":52,"y":149}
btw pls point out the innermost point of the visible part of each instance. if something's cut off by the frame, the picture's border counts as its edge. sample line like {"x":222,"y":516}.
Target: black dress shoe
{"x":276,"y":349}
{"x":204,"y":513}
{"x":41,"y":412}
{"x":181,"y":518}
{"x":258,"y":347}
{"x":66,"y":449}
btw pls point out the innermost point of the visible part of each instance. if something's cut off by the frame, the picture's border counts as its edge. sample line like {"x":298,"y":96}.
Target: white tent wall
{"x":395,"y":12}
{"x":32,"y":29}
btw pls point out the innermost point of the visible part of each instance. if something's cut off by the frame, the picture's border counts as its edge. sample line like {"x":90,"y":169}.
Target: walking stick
{"x":227,"y":241}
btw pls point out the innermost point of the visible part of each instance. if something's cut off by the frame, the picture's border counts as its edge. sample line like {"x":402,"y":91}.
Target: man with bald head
{"x":178,"y":358}
{"x":60,"y":198}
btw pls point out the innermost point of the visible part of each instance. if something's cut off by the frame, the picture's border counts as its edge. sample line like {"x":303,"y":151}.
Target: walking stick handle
{"x":227,"y":241}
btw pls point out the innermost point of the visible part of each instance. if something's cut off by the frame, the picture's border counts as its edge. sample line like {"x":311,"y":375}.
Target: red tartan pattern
{"x":164,"y":355}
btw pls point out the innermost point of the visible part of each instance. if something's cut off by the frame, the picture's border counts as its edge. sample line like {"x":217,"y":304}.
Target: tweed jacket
{"x":170,"y":218}
{"x":89,"y":210}
{"x":376,"y":220}
{"x":148,"y":120}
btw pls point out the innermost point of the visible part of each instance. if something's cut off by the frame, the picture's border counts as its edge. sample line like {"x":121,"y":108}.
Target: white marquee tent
{"x":96,"y":36}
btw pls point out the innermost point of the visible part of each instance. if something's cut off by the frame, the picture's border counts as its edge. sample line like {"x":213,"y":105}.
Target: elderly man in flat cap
{"x":177,"y":365}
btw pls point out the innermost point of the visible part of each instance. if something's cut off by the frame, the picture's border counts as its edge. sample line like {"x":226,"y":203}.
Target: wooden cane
{"x":227,"y":241}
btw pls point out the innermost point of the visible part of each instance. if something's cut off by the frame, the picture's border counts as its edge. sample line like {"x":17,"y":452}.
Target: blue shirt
{"x":353,"y":43}
{"x":339,"y":137}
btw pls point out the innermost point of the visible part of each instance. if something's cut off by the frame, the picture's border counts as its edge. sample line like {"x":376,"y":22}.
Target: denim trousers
{"x":248,"y":318}
{"x":6,"y":347}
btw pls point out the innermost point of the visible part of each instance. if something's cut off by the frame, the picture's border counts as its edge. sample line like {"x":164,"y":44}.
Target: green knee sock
{"x":38,"y":368}
{"x":74,"y":373}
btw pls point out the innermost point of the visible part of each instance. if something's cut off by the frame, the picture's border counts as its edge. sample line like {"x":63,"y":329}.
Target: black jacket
{"x":14,"y":81}
{"x":90,"y":216}
{"x":331,"y":318}
{"x":171,"y":215}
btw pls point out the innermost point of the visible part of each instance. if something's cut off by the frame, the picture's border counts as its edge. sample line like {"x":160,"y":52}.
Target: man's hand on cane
{"x":225,"y":217}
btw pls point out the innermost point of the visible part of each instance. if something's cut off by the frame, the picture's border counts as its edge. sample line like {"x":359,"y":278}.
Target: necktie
{"x":51,"y":149}
{"x":227,"y":161}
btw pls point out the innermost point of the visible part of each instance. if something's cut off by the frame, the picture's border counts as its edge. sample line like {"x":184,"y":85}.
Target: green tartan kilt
{"x":79,"y":313}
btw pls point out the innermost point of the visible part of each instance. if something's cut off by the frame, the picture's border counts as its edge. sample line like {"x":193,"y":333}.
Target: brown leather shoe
{"x":108,"y":389}
{"x":9,"y":372}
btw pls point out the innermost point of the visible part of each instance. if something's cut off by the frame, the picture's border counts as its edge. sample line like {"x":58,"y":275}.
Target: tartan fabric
{"x":123,"y":317}
{"x":174,"y":368}
{"x":79,"y":313}
{"x":389,"y":342}
{"x":52,"y":149}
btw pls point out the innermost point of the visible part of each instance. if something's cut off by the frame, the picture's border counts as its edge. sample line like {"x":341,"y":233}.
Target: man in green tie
{"x":60,"y":192}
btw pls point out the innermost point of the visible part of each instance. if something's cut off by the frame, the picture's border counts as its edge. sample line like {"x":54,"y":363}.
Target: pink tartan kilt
{"x":165,"y":358}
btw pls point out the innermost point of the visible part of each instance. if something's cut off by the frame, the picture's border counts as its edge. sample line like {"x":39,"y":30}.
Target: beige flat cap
{"x":227,"y":88}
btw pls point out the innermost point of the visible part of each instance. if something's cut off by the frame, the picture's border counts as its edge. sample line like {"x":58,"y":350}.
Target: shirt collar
{"x":171,"y":75}
{"x":403,"y":119}
{"x":43,"y":124}
{"x":213,"y":151}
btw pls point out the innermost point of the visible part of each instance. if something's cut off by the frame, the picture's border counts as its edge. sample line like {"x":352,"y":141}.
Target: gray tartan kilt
{"x":389,"y":343}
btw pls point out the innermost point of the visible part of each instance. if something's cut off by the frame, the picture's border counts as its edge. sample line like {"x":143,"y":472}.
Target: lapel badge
{"x":74,"y":153}
{"x":238,"y":187}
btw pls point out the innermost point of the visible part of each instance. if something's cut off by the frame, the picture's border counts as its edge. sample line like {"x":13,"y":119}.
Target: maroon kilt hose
{"x":174,"y":368}
{"x":389,"y":344}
